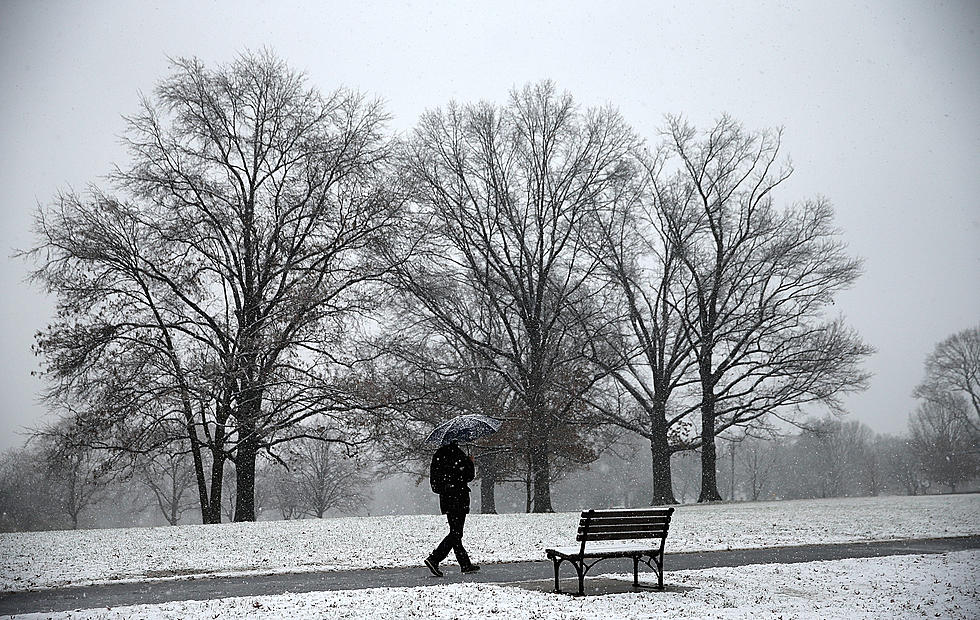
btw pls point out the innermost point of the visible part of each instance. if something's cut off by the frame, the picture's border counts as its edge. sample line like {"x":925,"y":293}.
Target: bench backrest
{"x":623,"y":524}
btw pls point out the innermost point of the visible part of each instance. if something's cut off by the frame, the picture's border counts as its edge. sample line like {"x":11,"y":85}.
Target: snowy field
{"x":935,"y":586}
{"x":39,"y":560}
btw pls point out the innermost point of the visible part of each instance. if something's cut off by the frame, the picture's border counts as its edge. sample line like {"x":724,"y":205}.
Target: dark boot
{"x":433,"y":567}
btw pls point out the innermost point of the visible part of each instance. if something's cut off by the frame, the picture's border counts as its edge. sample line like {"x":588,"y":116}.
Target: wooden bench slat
{"x":641,"y":521}
{"x":606,"y":529}
{"x":623,"y":535}
{"x":632,"y":512}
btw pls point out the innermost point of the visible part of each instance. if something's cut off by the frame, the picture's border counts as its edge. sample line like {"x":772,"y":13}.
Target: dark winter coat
{"x":451,"y":469}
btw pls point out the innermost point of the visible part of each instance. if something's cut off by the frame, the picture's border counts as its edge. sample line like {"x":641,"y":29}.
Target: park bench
{"x":638,"y":534}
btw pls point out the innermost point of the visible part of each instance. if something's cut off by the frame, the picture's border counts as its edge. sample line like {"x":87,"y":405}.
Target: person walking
{"x":449,"y":474}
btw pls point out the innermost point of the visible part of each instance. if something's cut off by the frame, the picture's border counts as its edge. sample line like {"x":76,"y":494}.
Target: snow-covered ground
{"x":39,"y":560}
{"x":935,"y":586}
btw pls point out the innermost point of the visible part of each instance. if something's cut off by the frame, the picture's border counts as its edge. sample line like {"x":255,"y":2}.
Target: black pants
{"x":453,"y":540}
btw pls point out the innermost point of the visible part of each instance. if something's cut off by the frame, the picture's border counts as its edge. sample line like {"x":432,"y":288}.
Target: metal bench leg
{"x":636,"y":571}
{"x":660,"y":571}
{"x":580,"y":568}
{"x":557,"y":562}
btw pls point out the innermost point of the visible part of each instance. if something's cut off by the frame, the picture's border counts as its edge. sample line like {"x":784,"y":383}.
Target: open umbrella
{"x":463,"y":428}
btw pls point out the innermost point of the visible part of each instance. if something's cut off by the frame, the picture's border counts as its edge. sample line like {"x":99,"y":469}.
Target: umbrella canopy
{"x":463,"y":428}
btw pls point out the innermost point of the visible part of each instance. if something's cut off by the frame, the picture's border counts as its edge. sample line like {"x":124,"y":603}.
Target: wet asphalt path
{"x":119,"y":594}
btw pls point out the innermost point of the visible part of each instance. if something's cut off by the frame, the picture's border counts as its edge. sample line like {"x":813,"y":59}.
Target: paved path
{"x":530,"y":573}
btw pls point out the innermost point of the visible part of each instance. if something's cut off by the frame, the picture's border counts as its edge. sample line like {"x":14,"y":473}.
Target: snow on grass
{"x":911,"y":586}
{"x":37,"y":560}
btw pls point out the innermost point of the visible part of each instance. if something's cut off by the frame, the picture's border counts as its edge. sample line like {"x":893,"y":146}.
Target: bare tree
{"x":27,"y":496}
{"x":758,"y":461}
{"x":643,"y":344}
{"x":901,"y":464}
{"x":872,"y":469}
{"x":500,"y":198}
{"x":75,"y":473}
{"x":954,"y":368}
{"x":168,"y":476}
{"x":284,"y":492}
{"x":241,"y":248}
{"x":324,"y":477}
{"x":828,"y":458}
{"x":685,"y":473}
{"x":944,"y":442}
{"x":760,"y":282}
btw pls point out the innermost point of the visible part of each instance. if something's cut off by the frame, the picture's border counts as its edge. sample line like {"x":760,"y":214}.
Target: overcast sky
{"x":879,"y":102}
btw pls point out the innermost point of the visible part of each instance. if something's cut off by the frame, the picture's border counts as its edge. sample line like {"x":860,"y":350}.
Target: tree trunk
{"x":731,"y":482}
{"x":539,"y":450}
{"x":248,"y":412}
{"x":245,"y":480}
{"x":541,"y":467}
{"x":249,"y":408}
{"x":528,"y":483}
{"x":663,"y":490}
{"x":218,"y":461}
{"x":488,"y":482}
{"x":709,"y":457}
{"x":245,"y":467}
{"x":174,"y":497}
{"x":202,"y":484}
{"x":217,"y":482}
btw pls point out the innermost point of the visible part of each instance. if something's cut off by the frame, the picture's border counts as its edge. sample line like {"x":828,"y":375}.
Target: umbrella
{"x":463,"y":428}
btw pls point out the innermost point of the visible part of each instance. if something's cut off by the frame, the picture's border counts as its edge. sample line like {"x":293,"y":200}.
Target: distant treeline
{"x":831,"y":457}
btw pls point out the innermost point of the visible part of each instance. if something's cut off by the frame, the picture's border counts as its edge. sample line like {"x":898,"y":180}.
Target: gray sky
{"x":879,"y":102}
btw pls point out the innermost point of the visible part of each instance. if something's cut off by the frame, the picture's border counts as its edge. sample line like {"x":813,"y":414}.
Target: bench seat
{"x":607,"y":550}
